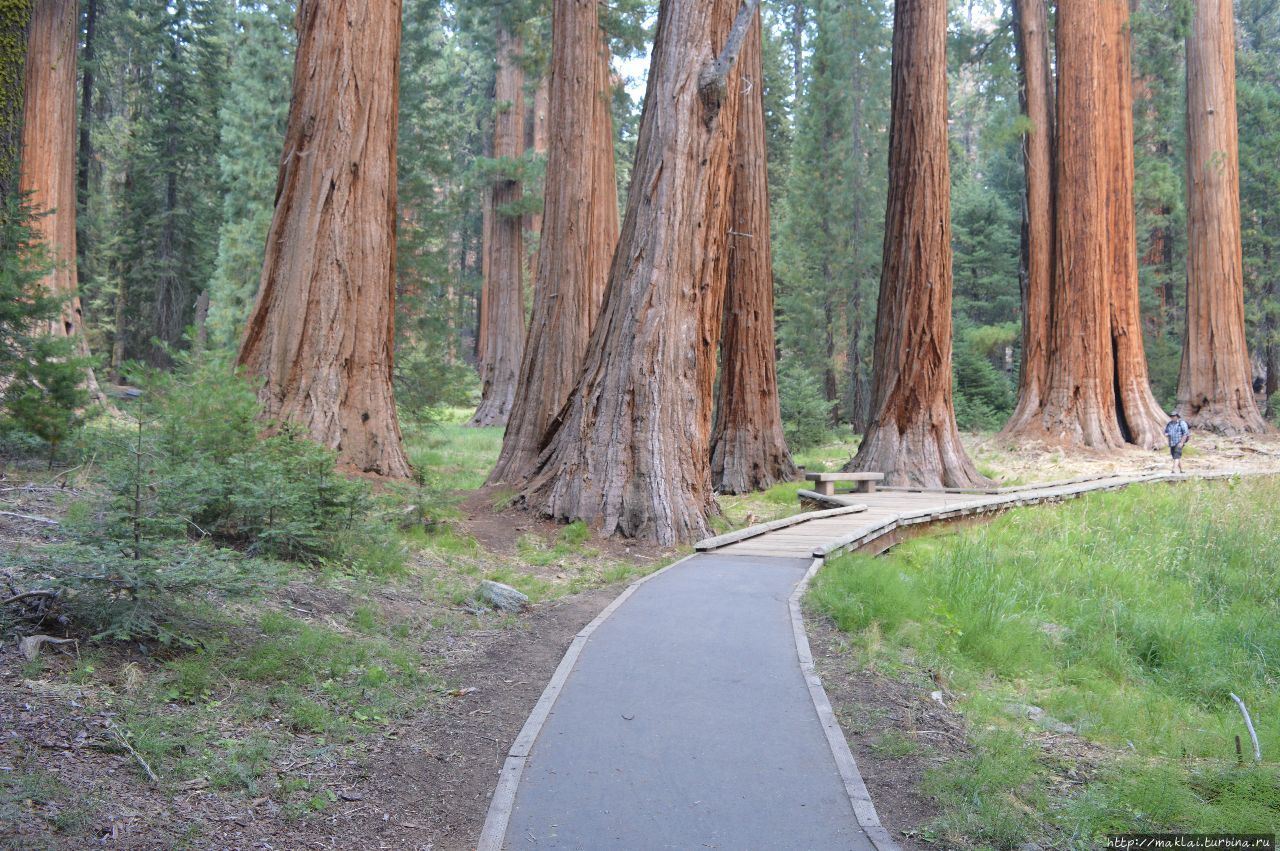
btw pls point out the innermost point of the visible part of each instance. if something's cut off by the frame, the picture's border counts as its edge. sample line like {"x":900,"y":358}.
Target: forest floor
{"x":333,"y":710}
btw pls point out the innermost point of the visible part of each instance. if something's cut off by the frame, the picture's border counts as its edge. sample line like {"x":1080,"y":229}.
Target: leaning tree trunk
{"x":14,"y":19}
{"x":321,"y":333}
{"x":1141,"y":418}
{"x":1214,"y":388}
{"x":579,"y":233}
{"x":748,"y":450}
{"x":1032,"y":32}
{"x":1079,"y":406}
{"x":629,"y":451}
{"x":502,"y":325}
{"x":912,"y":436}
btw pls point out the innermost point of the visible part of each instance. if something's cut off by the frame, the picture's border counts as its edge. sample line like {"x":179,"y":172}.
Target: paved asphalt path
{"x":687,"y":724}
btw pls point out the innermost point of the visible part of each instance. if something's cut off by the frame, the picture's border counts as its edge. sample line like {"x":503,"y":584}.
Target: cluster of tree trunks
{"x":748,"y":449}
{"x":912,"y":436}
{"x":628,"y":453}
{"x":321,"y":332}
{"x":1215,"y":384}
{"x":579,"y":230}
{"x":501,"y":335}
{"x":1084,"y":379}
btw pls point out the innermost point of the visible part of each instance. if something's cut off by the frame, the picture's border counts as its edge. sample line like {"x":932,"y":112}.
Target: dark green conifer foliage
{"x":252,"y":122}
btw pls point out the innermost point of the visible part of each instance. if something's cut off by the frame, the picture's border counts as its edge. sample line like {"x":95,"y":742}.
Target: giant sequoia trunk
{"x":49,"y":147}
{"x":1080,"y":404}
{"x":1214,"y":387}
{"x":320,"y":336}
{"x":748,"y":450}
{"x":579,"y":232}
{"x":629,"y":451}
{"x":1141,"y":418}
{"x":14,"y":18}
{"x":912,"y":436}
{"x":1032,"y":30}
{"x":502,"y":302}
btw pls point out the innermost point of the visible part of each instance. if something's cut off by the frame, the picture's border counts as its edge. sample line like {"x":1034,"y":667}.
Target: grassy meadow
{"x":1128,"y":619}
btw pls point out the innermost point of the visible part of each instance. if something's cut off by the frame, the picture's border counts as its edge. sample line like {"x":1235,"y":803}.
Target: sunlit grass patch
{"x":1129,"y":616}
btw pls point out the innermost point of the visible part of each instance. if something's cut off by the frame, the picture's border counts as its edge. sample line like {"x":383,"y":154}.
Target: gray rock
{"x":503,"y":597}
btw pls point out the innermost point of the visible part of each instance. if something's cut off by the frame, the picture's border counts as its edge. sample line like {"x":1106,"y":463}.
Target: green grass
{"x":455,"y":456}
{"x":1130,"y":616}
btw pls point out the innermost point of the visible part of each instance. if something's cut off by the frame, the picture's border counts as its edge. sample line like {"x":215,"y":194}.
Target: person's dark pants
{"x":1176,"y":452}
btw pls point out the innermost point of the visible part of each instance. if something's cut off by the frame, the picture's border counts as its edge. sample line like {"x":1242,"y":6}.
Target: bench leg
{"x":825,"y":488}
{"x":866,"y":487}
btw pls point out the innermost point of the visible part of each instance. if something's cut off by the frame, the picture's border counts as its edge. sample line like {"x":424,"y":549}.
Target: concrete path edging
{"x":494,"y":832}
{"x":859,"y":796}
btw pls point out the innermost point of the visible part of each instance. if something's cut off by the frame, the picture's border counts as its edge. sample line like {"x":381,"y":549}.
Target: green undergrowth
{"x":1130,"y":616}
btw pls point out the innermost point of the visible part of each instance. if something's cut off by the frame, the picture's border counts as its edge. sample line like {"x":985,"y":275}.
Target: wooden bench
{"x":825,"y":483}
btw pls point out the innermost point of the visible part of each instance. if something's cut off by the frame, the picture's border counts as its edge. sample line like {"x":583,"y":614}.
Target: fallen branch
{"x":123,"y":741}
{"x":34,"y":518}
{"x":1248,"y":722}
{"x":18,"y":598}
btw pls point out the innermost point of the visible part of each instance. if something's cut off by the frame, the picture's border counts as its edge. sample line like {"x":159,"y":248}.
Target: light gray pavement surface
{"x":687,"y":723}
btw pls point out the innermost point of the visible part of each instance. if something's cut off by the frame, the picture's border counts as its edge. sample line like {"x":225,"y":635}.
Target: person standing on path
{"x":1177,"y":431}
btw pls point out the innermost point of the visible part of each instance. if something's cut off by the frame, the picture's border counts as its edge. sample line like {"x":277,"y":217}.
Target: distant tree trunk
{"x":1214,"y":387}
{"x":539,"y":129}
{"x":322,"y":329}
{"x":748,"y":450}
{"x":14,"y":19}
{"x":1141,"y":418}
{"x":502,"y":301}
{"x":580,"y":231}
{"x":1032,"y":30}
{"x":85,"y":156}
{"x":830,"y":383}
{"x":798,"y":13}
{"x":629,"y":451}
{"x":912,"y":436}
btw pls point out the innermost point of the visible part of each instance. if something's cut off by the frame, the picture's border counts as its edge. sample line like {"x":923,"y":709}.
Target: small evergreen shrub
{"x":805,"y":409}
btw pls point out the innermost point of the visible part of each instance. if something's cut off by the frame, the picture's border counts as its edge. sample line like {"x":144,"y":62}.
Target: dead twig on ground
{"x":34,"y":518}
{"x":119,"y":737}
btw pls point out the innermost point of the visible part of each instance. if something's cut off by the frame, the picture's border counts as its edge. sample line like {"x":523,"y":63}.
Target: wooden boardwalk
{"x":861,"y":521}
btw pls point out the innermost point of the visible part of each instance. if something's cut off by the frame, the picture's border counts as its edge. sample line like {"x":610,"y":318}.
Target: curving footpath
{"x":688,"y":713}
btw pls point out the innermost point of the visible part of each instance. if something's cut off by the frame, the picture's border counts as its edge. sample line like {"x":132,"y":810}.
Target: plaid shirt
{"x":1176,"y":431}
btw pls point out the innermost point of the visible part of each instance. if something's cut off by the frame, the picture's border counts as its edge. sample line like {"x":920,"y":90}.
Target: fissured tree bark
{"x":501,"y":344}
{"x":1214,"y":387}
{"x":912,"y":436}
{"x":628,"y":453}
{"x":748,"y":449}
{"x":49,"y":147}
{"x":1142,"y":420}
{"x":321,"y":333}
{"x":579,"y":232}
{"x":1031,"y":21}
{"x":48,"y":160}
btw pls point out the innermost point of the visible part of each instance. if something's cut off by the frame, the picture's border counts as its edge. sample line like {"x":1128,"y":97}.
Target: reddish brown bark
{"x":912,"y":436}
{"x":1142,"y":420}
{"x":1032,"y":31}
{"x":48,"y":164}
{"x":502,"y":299}
{"x":1215,"y":385}
{"x":629,"y":452}
{"x":748,"y":449}
{"x":1080,"y":405}
{"x":49,"y":146}
{"x":320,"y":336}
{"x":580,"y":231}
